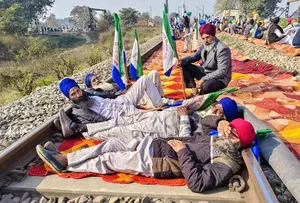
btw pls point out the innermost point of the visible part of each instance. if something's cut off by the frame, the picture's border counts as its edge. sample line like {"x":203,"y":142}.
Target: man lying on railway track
{"x":102,"y":89}
{"x":93,"y":86}
{"x":216,"y":70}
{"x":157,"y":124}
{"x":90,"y":109}
{"x":187,"y":157}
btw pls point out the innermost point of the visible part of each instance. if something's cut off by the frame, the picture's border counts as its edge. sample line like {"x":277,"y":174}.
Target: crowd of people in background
{"x":281,"y":30}
{"x":174,"y":142}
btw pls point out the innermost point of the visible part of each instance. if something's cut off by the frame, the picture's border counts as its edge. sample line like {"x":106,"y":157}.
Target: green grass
{"x":42,"y":68}
{"x":44,"y":81}
{"x":9,"y":95}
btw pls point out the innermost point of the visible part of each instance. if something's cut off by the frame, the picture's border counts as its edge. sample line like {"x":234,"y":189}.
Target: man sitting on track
{"x":188,"y":157}
{"x":216,"y":70}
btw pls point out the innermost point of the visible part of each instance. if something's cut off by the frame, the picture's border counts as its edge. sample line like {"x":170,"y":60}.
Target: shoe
{"x":50,"y":146}
{"x":57,"y":124}
{"x":48,"y":158}
{"x":65,"y":122}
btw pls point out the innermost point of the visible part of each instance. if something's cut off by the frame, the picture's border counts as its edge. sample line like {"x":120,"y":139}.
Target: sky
{"x":62,"y":8}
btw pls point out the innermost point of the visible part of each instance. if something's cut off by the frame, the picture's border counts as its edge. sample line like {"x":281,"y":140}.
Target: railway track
{"x":22,"y":153}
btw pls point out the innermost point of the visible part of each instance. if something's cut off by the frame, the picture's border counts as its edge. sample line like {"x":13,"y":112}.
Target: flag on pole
{"x":119,"y":58}
{"x":197,"y":29}
{"x":202,"y":102}
{"x":169,"y":52}
{"x":197,"y":41}
{"x":136,"y":66}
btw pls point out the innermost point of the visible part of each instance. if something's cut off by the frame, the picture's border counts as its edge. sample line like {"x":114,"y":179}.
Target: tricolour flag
{"x":169,"y":52}
{"x":136,"y":66}
{"x":119,"y":58}
{"x":202,"y":102}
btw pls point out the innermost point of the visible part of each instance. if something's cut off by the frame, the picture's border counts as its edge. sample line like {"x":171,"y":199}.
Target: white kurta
{"x":125,"y":105}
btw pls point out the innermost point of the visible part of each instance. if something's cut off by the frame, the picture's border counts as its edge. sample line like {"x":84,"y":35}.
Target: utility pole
{"x":150,"y":12}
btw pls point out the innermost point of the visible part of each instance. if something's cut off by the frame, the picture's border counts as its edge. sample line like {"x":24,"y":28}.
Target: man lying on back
{"x":187,"y":157}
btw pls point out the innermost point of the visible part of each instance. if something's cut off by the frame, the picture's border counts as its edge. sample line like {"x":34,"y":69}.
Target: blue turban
{"x":202,"y":22}
{"x":88,"y":80}
{"x":230,"y":108}
{"x":66,"y":85}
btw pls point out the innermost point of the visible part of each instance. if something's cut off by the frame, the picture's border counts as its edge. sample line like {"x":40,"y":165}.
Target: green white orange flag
{"x":136,"y":66}
{"x":170,"y":56}
{"x":119,"y":58}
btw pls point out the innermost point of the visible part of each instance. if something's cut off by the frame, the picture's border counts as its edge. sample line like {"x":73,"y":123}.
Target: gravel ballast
{"x":254,"y":51}
{"x":20,"y":117}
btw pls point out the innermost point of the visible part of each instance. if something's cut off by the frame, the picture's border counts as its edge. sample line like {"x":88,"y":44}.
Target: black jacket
{"x":193,"y":162}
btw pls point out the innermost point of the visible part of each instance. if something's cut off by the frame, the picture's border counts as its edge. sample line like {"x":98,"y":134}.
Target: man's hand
{"x":128,"y":85}
{"x":176,"y":145}
{"x":199,"y":83}
{"x":224,"y":128}
{"x":179,"y":63}
{"x":182,"y":111}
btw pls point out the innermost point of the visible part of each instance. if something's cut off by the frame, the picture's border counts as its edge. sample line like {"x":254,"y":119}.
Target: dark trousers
{"x":192,"y":72}
{"x":296,"y":40}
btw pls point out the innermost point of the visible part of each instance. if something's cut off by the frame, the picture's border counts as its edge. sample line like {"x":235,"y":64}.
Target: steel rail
{"x":20,"y":149}
{"x":260,"y":182}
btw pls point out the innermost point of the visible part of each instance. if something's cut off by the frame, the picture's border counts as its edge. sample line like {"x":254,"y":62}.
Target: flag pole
{"x":182,"y":80}
{"x":126,"y":74}
{"x":167,"y":27}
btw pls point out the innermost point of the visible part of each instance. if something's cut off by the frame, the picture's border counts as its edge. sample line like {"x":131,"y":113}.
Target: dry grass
{"x":85,"y":56}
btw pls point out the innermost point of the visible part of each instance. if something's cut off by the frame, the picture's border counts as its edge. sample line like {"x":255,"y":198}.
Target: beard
{"x":84,"y":102}
{"x":208,"y":47}
{"x":225,"y":144}
{"x":231,"y":150}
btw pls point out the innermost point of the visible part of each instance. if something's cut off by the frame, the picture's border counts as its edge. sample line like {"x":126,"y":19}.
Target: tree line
{"x":265,"y":8}
{"x":16,"y":16}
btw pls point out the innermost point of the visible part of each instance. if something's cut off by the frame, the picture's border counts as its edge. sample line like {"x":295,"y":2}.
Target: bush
{"x":66,"y":41}
{"x":22,"y":81}
{"x":93,"y":36}
{"x":35,"y":47}
{"x":44,"y":81}
{"x":81,"y":67}
{"x":64,"y":66}
{"x":107,"y":40}
{"x":10,"y":45}
{"x":9,"y":95}
{"x":36,"y":72}
{"x":94,"y":56}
